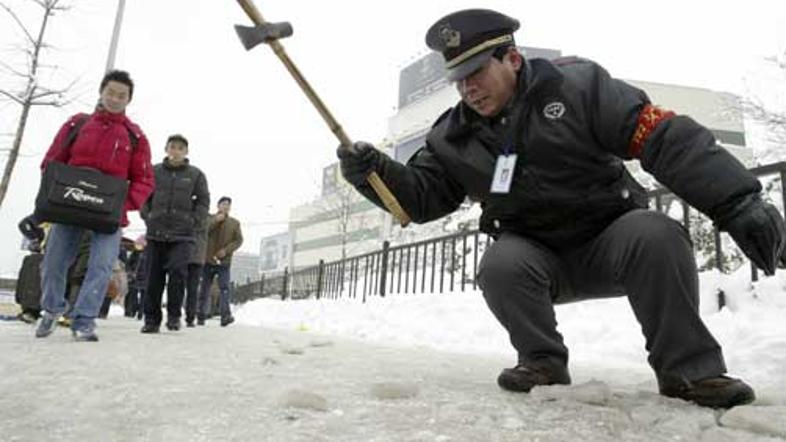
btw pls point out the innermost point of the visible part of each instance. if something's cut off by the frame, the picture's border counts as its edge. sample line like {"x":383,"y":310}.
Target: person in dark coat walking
{"x":541,"y":145}
{"x":173,"y":214}
{"x":195,"y":268}
{"x":137,"y":279}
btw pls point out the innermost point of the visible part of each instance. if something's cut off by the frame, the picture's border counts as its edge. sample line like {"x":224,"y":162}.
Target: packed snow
{"x":599,"y":333}
{"x":405,"y":367}
{"x":607,"y":348}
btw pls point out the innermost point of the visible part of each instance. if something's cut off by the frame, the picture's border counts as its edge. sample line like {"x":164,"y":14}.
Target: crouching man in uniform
{"x":540,"y":144}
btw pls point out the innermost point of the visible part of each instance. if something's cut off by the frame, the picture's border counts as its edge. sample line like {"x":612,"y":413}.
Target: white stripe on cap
{"x":477,"y":49}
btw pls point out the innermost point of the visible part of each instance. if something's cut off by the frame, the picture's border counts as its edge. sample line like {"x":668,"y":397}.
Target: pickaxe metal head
{"x":251,"y":36}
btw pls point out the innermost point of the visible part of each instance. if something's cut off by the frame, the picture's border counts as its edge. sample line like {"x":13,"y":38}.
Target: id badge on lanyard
{"x":503,"y":173}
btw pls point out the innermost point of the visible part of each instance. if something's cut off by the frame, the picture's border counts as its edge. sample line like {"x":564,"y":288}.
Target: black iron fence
{"x":439,"y":265}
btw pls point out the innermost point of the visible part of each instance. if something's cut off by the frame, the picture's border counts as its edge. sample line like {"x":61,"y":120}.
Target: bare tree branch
{"x":41,"y":95}
{"x":56,"y":103}
{"x":32,"y":93}
{"x":53,"y":103}
{"x":18,"y":22}
{"x":12,"y":97}
{"x":46,"y":92}
{"x":12,"y":70}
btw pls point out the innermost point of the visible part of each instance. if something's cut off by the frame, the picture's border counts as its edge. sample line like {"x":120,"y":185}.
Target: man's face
{"x":224,"y":207}
{"x":176,"y":151}
{"x":489,"y":89}
{"x":115,"y":96}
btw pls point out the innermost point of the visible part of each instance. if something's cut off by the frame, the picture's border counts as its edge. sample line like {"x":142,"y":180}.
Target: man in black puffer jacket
{"x":540,"y":145}
{"x":174,"y":213}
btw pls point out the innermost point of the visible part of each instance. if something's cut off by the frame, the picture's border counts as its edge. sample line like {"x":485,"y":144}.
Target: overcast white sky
{"x":252,"y":130}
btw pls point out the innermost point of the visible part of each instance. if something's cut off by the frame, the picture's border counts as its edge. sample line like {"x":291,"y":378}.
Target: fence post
{"x":783,"y":187}
{"x":320,"y":277}
{"x":718,"y":251}
{"x":284,"y":284}
{"x":341,"y":272}
{"x":721,"y":299}
{"x":686,"y":217}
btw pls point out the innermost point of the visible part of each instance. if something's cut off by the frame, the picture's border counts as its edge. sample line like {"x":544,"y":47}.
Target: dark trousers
{"x":224,"y":299}
{"x":167,"y":264}
{"x":643,"y":254}
{"x":192,"y":290}
{"x":104,"y":311}
{"x":133,"y":301}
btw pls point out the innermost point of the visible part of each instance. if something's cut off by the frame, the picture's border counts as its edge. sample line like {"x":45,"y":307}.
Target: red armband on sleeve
{"x":649,"y":118}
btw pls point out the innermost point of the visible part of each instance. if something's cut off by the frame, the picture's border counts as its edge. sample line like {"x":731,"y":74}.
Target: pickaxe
{"x":269,"y":33}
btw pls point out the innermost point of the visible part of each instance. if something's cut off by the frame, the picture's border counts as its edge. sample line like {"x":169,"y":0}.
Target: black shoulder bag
{"x":81,"y":196}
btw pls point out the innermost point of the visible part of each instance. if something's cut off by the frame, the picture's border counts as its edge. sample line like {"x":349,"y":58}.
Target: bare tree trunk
{"x":27,"y":101}
{"x":14,"y":153}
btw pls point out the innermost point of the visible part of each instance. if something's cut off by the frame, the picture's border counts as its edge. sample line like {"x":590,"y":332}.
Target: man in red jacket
{"x":107,"y":140}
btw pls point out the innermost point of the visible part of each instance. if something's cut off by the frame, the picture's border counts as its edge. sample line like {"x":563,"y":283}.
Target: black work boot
{"x":526,"y":375}
{"x":173,"y":324}
{"x":715,"y":392}
{"x":150,"y":328}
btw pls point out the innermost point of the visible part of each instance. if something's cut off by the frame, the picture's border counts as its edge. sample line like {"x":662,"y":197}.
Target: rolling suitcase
{"x":28,"y":283}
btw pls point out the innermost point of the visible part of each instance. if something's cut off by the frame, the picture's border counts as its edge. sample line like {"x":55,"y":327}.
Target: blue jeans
{"x":62,"y":245}
{"x":208,"y":273}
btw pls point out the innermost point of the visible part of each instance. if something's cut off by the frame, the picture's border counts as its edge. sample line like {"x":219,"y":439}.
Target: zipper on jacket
{"x":171,"y":192}
{"x":114,"y":151}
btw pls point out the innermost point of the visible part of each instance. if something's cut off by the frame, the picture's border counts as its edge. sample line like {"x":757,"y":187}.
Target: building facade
{"x":245,"y":267}
{"x":339,"y":223}
{"x":274,"y":252}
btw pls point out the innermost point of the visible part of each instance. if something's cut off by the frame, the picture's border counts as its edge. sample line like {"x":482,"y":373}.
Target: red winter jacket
{"x":104,"y":143}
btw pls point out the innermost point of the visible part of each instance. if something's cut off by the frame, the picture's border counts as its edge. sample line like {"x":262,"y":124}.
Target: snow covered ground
{"x":403,"y":368}
{"x":600,"y":334}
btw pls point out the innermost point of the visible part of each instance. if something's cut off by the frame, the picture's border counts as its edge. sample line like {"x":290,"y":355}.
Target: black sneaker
{"x":27,"y":317}
{"x":173,"y":324}
{"x":190,"y":324}
{"x":716,"y":392}
{"x":524,"y":376}
{"x":150,"y":328}
{"x":226,"y":321}
{"x":200,"y":321}
{"x":46,"y":325}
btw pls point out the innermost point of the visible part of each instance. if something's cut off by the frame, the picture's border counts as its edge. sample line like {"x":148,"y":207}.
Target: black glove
{"x":758,"y":229}
{"x":30,"y":229}
{"x":357,"y":165}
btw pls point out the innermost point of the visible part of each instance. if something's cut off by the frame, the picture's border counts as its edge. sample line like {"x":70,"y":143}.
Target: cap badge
{"x":450,"y":36}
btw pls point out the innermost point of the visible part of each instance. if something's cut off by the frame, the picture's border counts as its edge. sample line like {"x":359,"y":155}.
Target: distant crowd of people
{"x":75,"y":270}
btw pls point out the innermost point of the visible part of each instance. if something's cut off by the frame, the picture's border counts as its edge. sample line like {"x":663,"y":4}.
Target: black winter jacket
{"x":179,"y":204}
{"x":571,"y":125}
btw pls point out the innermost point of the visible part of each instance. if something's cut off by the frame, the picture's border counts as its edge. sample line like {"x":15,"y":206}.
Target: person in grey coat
{"x":540,"y":144}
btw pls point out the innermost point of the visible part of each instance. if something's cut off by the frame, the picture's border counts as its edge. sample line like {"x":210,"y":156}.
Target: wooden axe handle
{"x":387,"y":197}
